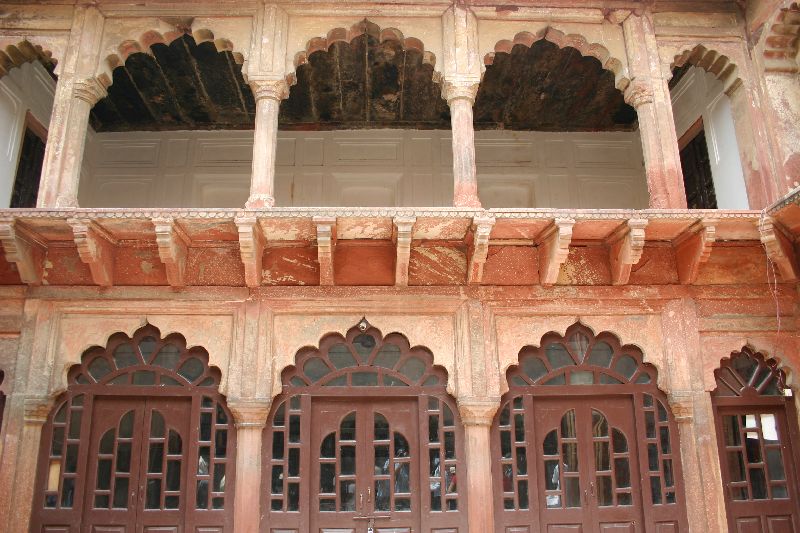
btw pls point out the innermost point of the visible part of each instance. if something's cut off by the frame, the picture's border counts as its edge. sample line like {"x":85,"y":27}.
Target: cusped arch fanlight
{"x":749,"y":373}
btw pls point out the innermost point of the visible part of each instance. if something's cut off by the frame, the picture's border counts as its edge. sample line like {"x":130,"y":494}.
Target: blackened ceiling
{"x":375,"y":79}
{"x":547,"y":88}
{"x":370,"y":82}
{"x":181,"y":86}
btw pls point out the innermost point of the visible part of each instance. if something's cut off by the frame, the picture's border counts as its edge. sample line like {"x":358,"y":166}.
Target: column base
{"x":67,"y":202}
{"x":467,"y":200}
{"x":258,"y":201}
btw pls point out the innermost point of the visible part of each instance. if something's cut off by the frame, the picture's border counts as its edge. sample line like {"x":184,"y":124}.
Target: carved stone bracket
{"x":627,"y":245}
{"x":478,"y":411}
{"x":779,"y":247}
{"x":639,"y":93}
{"x":173,"y":247}
{"x":326,"y":240}
{"x":405,"y":228}
{"x":249,"y":413}
{"x":251,"y":248}
{"x":554,"y":249}
{"x":482,"y":229}
{"x":36,"y":409}
{"x":693,"y":248}
{"x":96,"y":248}
{"x":22,"y":249}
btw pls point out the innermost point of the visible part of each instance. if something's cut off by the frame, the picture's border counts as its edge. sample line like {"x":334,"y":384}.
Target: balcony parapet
{"x":372,"y":246}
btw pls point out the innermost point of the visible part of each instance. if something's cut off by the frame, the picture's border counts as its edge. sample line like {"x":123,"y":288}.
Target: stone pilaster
{"x":477,"y":416}
{"x":250,"y":418}
{"x":460,"y":96}
{"x":268,"y":95}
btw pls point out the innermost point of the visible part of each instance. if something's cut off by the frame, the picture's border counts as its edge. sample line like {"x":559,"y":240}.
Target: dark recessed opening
{"x":696,"y":167}
{"x":29,"y":168}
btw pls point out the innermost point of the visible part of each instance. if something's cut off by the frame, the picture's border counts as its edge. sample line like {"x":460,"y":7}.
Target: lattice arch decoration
{"x":580,"y":358}
{"x":364,"y":358}
{"x":362,"y":365}
{"x":139,"y":394}
{"x":145,"y":360}
{"x":597,"y":375}
{"x":748,"y":373}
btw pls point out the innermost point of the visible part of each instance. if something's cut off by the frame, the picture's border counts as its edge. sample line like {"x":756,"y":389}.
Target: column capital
{"x":271,"y":89}
{"x":36,"y":409}
{"x":639,"y":93}
{"x":90,"y":90}
{"x":682,"y":405}
{"x":462,"y":89}
{"x":478,"y":411}
{"x":250,"y":413}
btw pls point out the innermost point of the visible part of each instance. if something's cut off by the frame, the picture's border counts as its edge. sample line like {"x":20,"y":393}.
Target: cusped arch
{"x":364,"y":357}
{"x":145,"y":359}
{"x":713,"y":62}
{"x":581,"y":357}
{"x":748,"y":373}
{"x":782,"y":42}
{"x":562,"y":40}
{"x":144,"y":43}
{"x":16,"y":55}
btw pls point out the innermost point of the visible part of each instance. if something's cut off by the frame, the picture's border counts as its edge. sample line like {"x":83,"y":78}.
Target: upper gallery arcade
{"x":426,"y":106}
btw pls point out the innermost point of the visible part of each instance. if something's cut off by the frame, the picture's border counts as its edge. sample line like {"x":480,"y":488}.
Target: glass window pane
{"x":413,"y":368}
{"x":348,"y":495}
{"x":622,"y":472}
{"x":327,"y":478}
{"x":605,"y":488}
{"x":626,"y":365}
{"x":599,"y":424}
{"x":533,"y":367}
{"x":124,"y":356}
{"x":600,"y":355}
{"x":191,"y":369}
{"x":736,"y":466}
{"x":315,"y":368}
{"x":758,"y":483}
{"x":381,"y":427}
{"x":775,"y":464}
{"x":167,"y":357}
{"x":568,"y":425}
{"x":573,"y":492}
{"x":558,"y":356}
{"x":381,"y":460}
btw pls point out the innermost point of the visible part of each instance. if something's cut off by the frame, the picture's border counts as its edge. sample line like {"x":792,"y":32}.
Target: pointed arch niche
{"x":141,"y":437}
{"x":364,"y":428}
{"x":585,"y":437}
{"x":758,"y":441}
{"x":550,"y":110}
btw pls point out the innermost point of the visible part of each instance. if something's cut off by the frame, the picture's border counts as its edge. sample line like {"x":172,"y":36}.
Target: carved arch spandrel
{"x":641,"y":332}
{"x":435,"y":333}
{"x":17,"y":54}
{"x":77,"y":333}
{"x":562,"y":40}
{"x":713,"y":62}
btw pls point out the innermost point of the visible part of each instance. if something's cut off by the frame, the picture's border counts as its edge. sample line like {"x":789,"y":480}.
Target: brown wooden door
{"x":758,"y":469}
{"x":365,"y":468}
{"x":136,"y":466}
{"x":587,"y":465}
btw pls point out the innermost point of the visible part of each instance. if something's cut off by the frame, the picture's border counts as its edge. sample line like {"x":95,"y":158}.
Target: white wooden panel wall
{"x":365,"y":168}
{"x":25,"y":88}
{"x":700,"y":94}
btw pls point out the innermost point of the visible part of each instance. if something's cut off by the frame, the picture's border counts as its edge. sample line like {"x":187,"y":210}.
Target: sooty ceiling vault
{"x":368,"y":78}
{"x":181,"y":86}
{"x":547,"y":88}
{"x":364,"y":77}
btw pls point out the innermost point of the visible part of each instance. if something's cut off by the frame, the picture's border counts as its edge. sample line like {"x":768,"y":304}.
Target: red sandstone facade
{"x":364,"y":369}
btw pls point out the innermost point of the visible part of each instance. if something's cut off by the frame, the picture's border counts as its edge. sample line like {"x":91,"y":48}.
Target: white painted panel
{"x":603,"y":193}
{"x":117,"y":154}
{"x":132,"y":192}
{"x":380,"y":168}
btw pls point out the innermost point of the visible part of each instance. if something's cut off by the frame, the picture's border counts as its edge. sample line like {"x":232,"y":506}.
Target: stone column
{"x":460,"y":97}
{"x":477,"y":416}
{"x":250,"y":418}
{"x":20,"y":460}
{"x":649,"y":94}
{"x":268,"y":95}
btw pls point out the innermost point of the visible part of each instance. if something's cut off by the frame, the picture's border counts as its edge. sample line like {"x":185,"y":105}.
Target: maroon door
{"x":365,"y":467}
{"x":758,"y":472}
{"x":136,"y":465}
{"x":588,"y":467}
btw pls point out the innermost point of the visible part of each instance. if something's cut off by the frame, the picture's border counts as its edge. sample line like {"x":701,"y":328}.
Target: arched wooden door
{"x":758,"y":443}
{"x":584,"y":441}
{"x":140,"y":442}
{"x":364,"y":439}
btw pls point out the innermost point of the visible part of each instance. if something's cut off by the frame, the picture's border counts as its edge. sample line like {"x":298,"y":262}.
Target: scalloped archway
{"x":550,"y":81}
{"x":26,"y":52}
{"x":712,"y":62}
{"x":141,"y":437}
